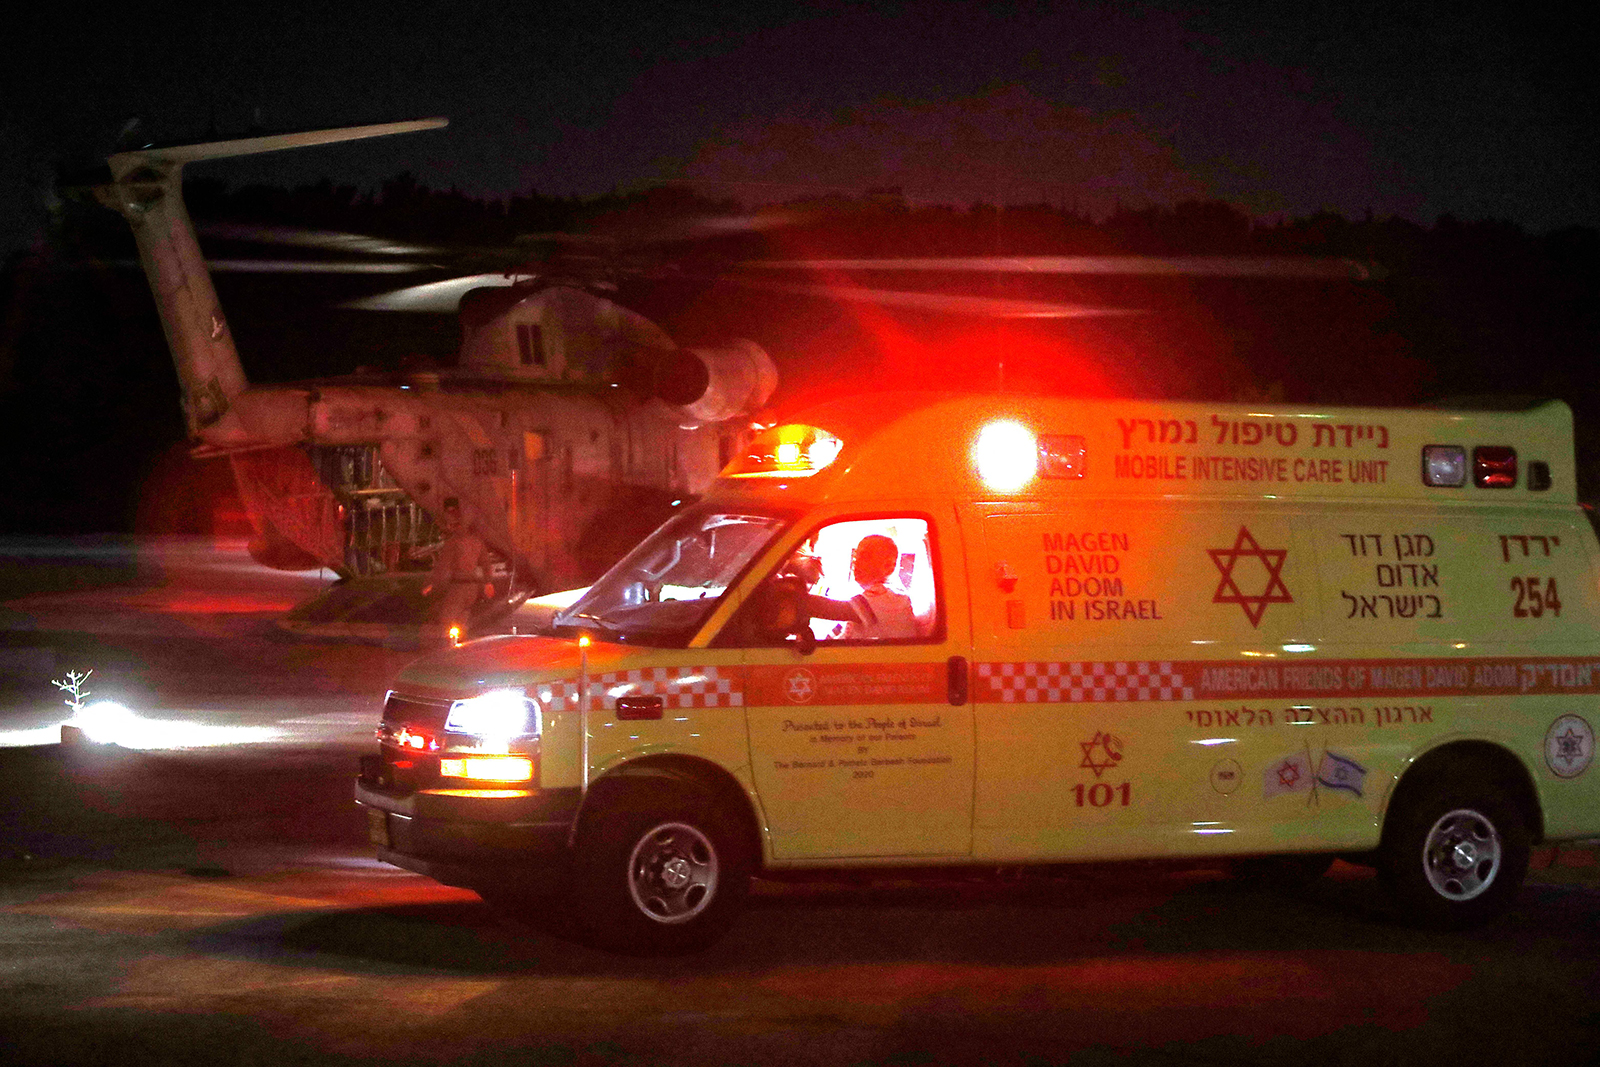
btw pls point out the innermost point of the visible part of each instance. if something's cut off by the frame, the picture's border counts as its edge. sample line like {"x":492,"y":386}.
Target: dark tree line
{"x":88,"y":397}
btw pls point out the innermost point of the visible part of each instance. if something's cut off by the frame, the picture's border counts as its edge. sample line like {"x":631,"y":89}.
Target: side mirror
{"x":803,"y":640}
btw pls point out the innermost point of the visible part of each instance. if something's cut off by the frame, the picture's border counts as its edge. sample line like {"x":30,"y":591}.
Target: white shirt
{"x":886,"y":614}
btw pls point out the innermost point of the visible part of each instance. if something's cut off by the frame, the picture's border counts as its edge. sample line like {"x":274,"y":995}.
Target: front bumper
{"x":471,"y":837}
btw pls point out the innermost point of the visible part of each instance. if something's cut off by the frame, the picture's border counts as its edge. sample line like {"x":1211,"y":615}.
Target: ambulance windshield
{"x":663,"y":591}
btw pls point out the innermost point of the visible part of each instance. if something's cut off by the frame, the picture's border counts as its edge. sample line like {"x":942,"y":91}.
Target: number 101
{"x":1100,"y":794}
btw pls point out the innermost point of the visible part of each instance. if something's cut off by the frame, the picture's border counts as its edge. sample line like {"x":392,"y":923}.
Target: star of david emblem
{"x":1288,"y":774}
{"x":799,"y":686}
{"x":1273,"y":591}
{"x":1569,"y":746}
{"x":1101,"y":751}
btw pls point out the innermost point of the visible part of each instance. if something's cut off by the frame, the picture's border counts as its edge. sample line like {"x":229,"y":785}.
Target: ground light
{"x":106,"y":722}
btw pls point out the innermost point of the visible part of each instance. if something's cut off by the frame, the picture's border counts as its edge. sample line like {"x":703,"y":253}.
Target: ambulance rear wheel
{"x":659,"y":874}
{"x":1454,"y":856}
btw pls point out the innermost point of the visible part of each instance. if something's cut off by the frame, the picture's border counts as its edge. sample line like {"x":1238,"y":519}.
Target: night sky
{"x":1280,"y":110}
{"x":1481,"y":112}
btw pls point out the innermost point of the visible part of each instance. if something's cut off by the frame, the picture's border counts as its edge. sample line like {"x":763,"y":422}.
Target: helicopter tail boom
{"x":147,"y":190}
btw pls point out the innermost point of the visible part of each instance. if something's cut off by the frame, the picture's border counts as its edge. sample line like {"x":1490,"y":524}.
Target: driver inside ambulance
{"x":880,"y":611}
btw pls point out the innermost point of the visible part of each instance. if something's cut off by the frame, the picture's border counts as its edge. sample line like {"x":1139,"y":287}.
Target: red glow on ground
{"x":1117,"y":1000}
{"x":160,"y":601}
{"x":195,"y":602}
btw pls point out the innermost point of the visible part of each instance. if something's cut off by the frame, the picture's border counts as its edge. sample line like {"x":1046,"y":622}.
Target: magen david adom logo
{"x":800,"y":686}
{"x":1569,"y":746}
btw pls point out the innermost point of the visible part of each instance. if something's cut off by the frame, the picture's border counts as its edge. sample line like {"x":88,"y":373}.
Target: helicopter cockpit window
{"x":664,"y":590}
{"x":866,"y":580}
{"x":530,"y":344}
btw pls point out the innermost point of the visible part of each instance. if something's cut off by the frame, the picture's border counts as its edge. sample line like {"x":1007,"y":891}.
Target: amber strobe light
{"x":789,"y":451}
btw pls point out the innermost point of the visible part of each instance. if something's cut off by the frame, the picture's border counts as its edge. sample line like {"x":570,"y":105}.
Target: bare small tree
{"x":73,"y":685}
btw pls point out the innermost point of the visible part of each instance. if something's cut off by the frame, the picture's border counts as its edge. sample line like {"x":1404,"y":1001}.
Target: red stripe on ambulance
{"x":1099,"y":681}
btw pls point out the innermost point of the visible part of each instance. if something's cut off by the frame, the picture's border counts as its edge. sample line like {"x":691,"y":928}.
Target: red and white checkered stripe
{"x":678,"y":687}
{"x":1034,"y":683}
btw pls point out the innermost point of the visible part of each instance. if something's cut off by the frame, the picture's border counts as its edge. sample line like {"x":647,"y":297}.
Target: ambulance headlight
{"x":500,"y":713}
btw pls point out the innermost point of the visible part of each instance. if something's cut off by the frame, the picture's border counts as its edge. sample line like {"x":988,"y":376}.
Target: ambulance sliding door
{"x":1096,"y":627}
{"x":863,"y":747}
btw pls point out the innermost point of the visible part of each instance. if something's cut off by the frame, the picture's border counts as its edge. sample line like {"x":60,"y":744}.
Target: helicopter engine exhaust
{"x":716,"y":384}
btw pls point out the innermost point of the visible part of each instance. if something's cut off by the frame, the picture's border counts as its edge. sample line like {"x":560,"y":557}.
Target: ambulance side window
{"x":868,"y":580}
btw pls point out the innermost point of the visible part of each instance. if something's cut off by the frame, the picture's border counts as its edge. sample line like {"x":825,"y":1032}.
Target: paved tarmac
{"x":211,"y":906}
{"x":183,"y":632}
{"x":196,"y":902}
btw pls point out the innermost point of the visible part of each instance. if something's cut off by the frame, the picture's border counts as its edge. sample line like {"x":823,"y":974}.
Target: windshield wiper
{"x":593,"y":620}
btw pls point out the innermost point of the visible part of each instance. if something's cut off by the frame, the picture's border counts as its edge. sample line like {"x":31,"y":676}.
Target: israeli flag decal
{"x":1341,"y":772}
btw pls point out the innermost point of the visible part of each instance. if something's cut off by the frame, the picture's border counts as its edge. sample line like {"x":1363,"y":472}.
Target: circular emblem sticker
{"x":800,"y":686}
{"x":1569,"y":746}
{"x":1226,"y":776}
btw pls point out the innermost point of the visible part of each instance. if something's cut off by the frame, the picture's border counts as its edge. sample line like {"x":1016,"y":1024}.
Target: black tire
{"x":1454,"y":855}
{"x":659,"y":871}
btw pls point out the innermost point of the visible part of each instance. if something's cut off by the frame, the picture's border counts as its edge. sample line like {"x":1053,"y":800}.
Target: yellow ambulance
{"x":921,"y":631}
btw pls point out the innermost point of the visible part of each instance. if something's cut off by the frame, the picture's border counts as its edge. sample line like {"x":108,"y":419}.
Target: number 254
{"x":1532,"y":601}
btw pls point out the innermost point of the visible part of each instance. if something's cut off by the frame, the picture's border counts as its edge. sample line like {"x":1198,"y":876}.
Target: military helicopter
{"x":567,"y":427}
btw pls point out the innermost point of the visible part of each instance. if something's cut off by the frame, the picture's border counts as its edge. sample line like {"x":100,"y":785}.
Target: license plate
{"x":378,"y":827}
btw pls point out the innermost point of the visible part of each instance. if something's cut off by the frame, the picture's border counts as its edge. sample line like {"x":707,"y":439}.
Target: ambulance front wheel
{"x":659,"y":874}
{"x":1455,"y":856}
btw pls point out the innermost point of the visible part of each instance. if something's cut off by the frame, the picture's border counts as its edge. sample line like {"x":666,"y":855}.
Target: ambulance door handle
{"x":956,"y":680}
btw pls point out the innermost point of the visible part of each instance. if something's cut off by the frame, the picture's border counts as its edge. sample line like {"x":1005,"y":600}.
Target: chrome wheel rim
{"x":672,"y":873}
{"x":1461,"y":855}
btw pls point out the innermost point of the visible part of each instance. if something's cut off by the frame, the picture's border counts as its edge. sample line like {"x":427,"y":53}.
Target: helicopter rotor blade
{"x":324,"y":240}
{"x":988,"y":306}
{"x":249,"y":146}
{"x":311,"y":266}
{"x":1176,"y":266}
{"x":442,"y":297}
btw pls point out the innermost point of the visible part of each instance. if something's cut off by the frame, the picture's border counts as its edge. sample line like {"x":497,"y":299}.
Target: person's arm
{"x":821,"y":607}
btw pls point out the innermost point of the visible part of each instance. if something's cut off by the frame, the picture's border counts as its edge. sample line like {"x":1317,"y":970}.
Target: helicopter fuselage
{"x":569,"y":428}
{"x":557,"y":480}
